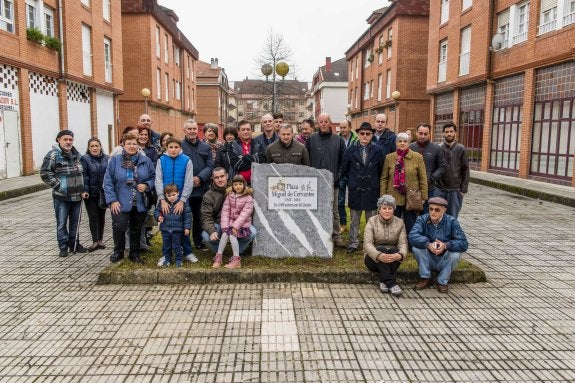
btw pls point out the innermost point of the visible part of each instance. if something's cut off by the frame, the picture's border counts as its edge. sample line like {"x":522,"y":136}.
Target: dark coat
{"x":435,"y":165}
{"x":201,"y":155}
{"x":94,"y":170}
{"x":174,"y":223}
{"x":230,"y":157}
{"x":386,"y":141}
{"x":326,"y":152}
{"x":363,"y":180}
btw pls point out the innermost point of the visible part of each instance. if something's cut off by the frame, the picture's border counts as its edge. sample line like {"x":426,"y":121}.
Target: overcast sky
{"x":235,"y":31}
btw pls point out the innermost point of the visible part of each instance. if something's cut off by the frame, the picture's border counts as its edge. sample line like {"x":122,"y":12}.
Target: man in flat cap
{"x":437,"y":242}
{"x":62,"y":171}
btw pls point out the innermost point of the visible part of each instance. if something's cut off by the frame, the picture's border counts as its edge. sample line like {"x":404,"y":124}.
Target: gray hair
{"x":386,"y":200}
{"x":402,"y":135}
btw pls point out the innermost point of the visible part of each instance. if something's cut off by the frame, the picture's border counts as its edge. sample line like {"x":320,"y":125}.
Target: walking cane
{"x":78,"y":226}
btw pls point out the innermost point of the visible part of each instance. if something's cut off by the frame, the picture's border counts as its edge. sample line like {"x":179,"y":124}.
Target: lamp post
{"x":348,"y":113}
{"x":281,"y":69}
{"x":146,"y":93}
{"x":395,"y":95}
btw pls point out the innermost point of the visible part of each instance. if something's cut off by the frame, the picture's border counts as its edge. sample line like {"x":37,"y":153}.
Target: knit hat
{"x":64,"y":132}
{"x":365,"y":126}
{"x":437,"y":201}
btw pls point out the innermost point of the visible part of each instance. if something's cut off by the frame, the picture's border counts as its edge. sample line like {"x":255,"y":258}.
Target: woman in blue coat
{"x":94,"y":163}
{"x":128,"y":177}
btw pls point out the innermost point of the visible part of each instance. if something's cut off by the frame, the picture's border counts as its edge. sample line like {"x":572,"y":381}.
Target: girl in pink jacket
{"x":236,"y":220}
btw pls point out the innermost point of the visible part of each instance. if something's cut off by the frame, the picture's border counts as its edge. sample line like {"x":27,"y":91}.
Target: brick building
{"x":160,"y":59}
{"x":390,"y":56}
{"x":504,"y":71}
{"x":213,"y":94}
{"x":60,"y":68}
{"x":254,"y":99}
{"x":329,"y":89}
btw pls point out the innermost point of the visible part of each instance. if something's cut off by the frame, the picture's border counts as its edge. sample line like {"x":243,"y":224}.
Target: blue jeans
{"x":341,"y":200}
{"x":67,"y":221}
{"x":428,"y":261}
{"x":186,"y":243}
{"x":243,"y":242}
{"x":454,"y":200}
{"x":172,"y":242}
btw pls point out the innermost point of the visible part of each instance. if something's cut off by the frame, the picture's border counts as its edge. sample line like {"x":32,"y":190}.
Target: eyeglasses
{"x":365,"y":133}
{"x":435,"y":209}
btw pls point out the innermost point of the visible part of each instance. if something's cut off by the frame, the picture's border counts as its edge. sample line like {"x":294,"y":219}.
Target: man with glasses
{"x":362,"y":165}
{"x":435,"y":165}
{"x":437,"y":242}
{"x":383,"y":137}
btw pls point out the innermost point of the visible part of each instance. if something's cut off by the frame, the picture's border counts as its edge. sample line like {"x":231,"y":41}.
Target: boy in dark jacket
{"x":172,"y":225}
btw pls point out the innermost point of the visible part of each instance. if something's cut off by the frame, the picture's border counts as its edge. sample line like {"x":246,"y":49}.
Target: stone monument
{"x":293,"y":211}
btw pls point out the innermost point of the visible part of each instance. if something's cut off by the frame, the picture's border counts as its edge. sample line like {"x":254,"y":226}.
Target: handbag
{"x":413,"y":199}
{"x":102,"y":199}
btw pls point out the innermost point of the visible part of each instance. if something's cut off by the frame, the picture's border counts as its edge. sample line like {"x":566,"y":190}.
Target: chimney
{"x":328,"y":64}
{"x":214,"y":63}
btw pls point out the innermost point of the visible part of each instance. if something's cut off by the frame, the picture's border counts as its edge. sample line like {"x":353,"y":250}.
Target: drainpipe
{"x":489,"y":36}
{"x":61,"y":34}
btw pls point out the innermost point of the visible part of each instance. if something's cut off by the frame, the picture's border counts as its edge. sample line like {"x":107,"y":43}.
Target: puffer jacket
{"x":415,"y":176}
{"x":94,"y":170}
{"x":447,"y":230}
{"x":237,"y":210}
{"x":174,"y":223}
{"x":63,"y":172}
{"x":388,"y":233}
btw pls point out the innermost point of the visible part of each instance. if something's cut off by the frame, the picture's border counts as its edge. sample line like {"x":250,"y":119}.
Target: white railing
{"x":464,"y":63}
{"x":442,"y":72}
{"x":520,"y":37}
{"x":547,"y":27}
{"x":569,"y":19}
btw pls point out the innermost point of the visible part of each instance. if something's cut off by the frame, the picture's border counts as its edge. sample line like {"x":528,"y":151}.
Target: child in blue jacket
{"x":172,"y":225}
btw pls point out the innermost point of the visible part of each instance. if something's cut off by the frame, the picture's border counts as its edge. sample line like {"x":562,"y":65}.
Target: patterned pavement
{"x":57,"y":325}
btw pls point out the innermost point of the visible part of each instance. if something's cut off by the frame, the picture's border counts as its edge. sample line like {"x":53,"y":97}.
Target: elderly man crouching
{"x":437,"y":241}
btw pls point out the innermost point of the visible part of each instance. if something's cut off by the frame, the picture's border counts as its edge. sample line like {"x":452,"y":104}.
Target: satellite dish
{"x":497,"y":41}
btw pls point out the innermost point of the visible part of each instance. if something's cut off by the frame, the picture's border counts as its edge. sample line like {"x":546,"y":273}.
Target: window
{"x":521,"y":20}
{"x":86,"y":2}
{"x":106,"y":9}
{"x":465,"y":52}
{"x":7,"y":15}
{"x":87,"y":49}
{"x":31,"y":19}
{"x":167,"y":93}
{"x":178,"y":90}
{"x":442,"y":67}
{"x":356,"y":98}
{"x":356,"y":67}
{"x":379,"y":86}
{"x":466,"y":4}
{"x":368,"y":57}
{"x":158,"y":48}
{"x":188,"y":67}
{"x":503,"y":28}
{"x":388,"y":84}
{"x":548,"y":17}
{"x":108,"y":59}
{"x":177,"y":55}
{"x":569,"y":11}
{"x":371,"y":89}
{"x":158,"y":84}
{"x":380,"y":49}
{"x":173,"y":88}
{"x":48,"y":21}
{"x":444,"y":11}
{"x":166,"y":52}
{"x":188,"y":98}
{"x":389,"y":38}
{"x":366,"y":91}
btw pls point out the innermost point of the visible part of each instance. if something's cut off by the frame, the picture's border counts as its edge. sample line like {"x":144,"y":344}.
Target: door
{"x":10,"y":153}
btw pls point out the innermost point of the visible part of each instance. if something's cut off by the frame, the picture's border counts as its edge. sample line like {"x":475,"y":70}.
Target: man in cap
{"x":437,"y":242}
{"x":62,"y":171}
{"x":362,"y":165}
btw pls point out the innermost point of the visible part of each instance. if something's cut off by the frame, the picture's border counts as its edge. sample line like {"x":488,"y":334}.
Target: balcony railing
{"x":547,"y":27}
{"x":520,"y":37}
{"x":569,"y":19}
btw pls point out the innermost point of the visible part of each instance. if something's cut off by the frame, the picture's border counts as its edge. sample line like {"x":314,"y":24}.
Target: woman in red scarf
{"x":402,"y":169}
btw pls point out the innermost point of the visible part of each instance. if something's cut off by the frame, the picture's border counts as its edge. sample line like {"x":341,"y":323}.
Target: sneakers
{"x":63,"y":253}
{"x":384,"y":289}
{"x":164,"y":263}
{"x":217,"y":261}
{"x":161,"y":262}
{"x":234,"y":263}
{"x":191,"y":258}
{"x":395,"y":290}
{"x":422,"y":284}
{"x":442,"y":288}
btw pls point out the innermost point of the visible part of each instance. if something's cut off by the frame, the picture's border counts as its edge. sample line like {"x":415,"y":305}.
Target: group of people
{"x":184,"y":185}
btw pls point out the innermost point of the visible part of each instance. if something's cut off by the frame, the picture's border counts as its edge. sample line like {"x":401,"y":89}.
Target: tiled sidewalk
{"x":57,"y":325}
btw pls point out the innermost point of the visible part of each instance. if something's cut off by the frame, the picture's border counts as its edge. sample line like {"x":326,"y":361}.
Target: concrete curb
{"x":13,"y":193}
{"x":111,"y":275}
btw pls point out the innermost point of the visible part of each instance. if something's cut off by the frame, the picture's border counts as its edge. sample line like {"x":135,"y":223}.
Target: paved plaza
{"x":57,"y":325}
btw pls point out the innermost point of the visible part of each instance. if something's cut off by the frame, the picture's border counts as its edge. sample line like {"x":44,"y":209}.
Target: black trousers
{"x":409,"y":217}
{"x":132,"y":221}
{"x":386,"y":271}
{"x":196,"y":206}
{"x":96,"y":218}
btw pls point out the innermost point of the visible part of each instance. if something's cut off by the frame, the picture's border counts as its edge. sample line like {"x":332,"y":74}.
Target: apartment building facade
{"x":254,"y":99}
{"x":161,"y":60}
{"x":213,"y":94}
{"x":504,"y":71}
{"x":60,"y":68}
{"x":390,"y":59}
{"x":329,"y":89}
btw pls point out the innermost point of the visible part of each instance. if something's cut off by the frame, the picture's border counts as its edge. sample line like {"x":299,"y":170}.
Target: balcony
{"x":520,"y":37}
{"x":569,"y":19}
{"x":547,"y":27}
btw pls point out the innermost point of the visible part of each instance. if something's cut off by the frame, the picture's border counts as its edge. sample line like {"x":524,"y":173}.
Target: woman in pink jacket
{"x":236,"y":220}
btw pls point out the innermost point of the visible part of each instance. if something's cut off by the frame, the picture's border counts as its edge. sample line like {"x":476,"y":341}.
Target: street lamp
{"x":146,"y":93}
{"x":282,"y":69}
{"x":395,"y":95}
{"x":348,"y":113}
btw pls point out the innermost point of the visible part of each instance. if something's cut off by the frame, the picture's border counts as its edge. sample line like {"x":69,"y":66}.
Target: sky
{"x":235,"y":31}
